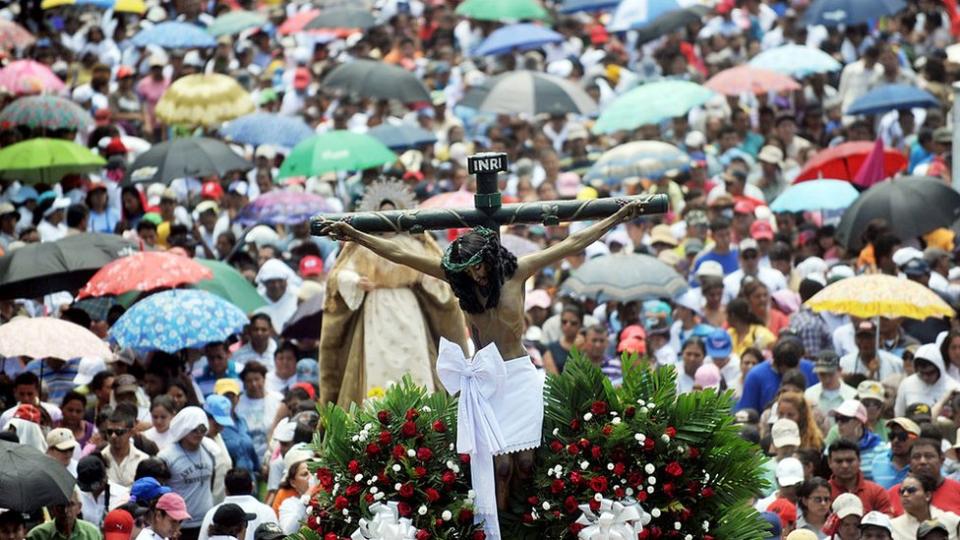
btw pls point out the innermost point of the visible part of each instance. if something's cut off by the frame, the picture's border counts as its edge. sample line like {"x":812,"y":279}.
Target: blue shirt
{"x":207,"y":380}
{"x":58,"y":382}
{"x":240,"y":446}
{"x":729,"y":262}
{"x":886,"y":473}
{"x":762,"y":383}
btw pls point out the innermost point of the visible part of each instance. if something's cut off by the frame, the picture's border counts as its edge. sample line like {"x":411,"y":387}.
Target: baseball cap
{"x":90,"y":472}
{"x":919,"y":412}
{"x":230,"y":514}
{"x":907,"y":424}
{"x":207,"y":206}
{"x":708,"y":376}
{"x":789,"y":472}
{"x":226,"y":386}
{"x":916,"y":268}
{"x":268,"y":531}
{"x":691,"y":300}
{"x":785,"y":509}
{"x":117,"y":525}
{"x":285,"y":430}
{"x":866,"y":327}
{"x":930,"y":526}
{"x":661,"y":234}
{"x":61,"y":439}
{"x":802,"y":534}
{"x":147,"y":488}
{"x":827,"y":362}
{"x":906,"y":254}
{"x":174,"y":505}
{"x":710,"y":269}
{"x":692,"y":246}
{"x":785,"y":432}
{"x":851,"y":408}
{"x":311,"y":265}
{"x":28,"y":412}
{"x":125,"y":384}
{"x":847,"y":504}
{"x":876,"y":519}
{"x":870,"y":390}
{"x":773,"y":520}
{"x":761,"y":230}
{"x":88,"y":368}
{"x":719,"y":344}
{"x":211,"y":190}
{"x":301,"y":78}
{"x":748,"y":244}
{"x":7,"y":208}
{"x":218,"y":407}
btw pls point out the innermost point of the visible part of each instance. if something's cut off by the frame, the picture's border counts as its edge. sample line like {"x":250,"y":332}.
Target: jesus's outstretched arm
{"x":386,"y":248}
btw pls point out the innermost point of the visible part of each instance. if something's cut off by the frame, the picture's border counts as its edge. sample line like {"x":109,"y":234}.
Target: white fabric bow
{"x":617,"y":520}
{"x":386,"y":524}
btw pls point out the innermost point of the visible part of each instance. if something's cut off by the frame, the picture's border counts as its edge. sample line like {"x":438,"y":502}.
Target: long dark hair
{"x":501,"y":265}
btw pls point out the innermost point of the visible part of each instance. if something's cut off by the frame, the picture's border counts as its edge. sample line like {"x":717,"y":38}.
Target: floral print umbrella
{"x":47,"y":112}
{"x":27,"y":77}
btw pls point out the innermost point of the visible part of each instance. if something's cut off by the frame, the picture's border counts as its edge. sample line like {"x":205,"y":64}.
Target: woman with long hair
{"x":73,"y":407}
{"x":571,"y":321}
{"x":792,"y":405}
{"x":813,"y":501}
{"x":745,"y":328}
{"x":162,"y":410}
{"x":758,"y":296}
{"x":950,"y":350}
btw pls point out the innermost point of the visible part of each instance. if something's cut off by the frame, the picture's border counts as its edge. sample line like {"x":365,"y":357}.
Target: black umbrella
{"x":185,"y":157}
{"x":402,"y":136}
{"x":369,"y":78}
{"x":911,"y":205}
{"x":305,"y":322}
{"x":342,"y":17}
{"x":529,"y":92}
{"x":67,"y":264}
{"x":30,"y":480}
{"x":670,"y":21}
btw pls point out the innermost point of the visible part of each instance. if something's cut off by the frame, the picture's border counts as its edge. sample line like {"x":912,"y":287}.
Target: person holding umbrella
{"x":66,"y":524}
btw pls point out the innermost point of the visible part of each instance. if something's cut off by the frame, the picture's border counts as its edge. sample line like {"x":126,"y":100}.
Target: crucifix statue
{"x":489,"y":282}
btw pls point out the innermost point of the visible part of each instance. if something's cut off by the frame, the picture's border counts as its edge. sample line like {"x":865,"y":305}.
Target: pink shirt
{"x":151,"y":90}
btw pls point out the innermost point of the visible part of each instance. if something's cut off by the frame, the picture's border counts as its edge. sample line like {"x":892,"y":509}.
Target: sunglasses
{"x":115,"y":432}
{"x":900,"y":436}
{"x":909,"y":490}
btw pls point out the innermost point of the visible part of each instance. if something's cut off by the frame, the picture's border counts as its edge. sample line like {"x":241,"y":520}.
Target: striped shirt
{"x":613,"y":369}
{"x":58,"y":382}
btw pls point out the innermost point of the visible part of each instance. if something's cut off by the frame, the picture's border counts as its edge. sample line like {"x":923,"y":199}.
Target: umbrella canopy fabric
{"x":46,"y":112}
{"x":204,"y":100}
{"x":229,"y":284}
{"x":454,"y":199}
{"x":283,"y":207}
{"x":816,"y":195}
{"x":573,"y":6}
{"x":267,"y":128}
{"x":747,"y":79}
{"x":144,"y":271}
{"x":119,"y":6}
{"x":795,"y":60}
{"x":185,"y":158}
{"x":342,"y":17}
{"x":178,"y":319}
{"x":517,"y":37}
{"x":850,"y":12}
{"x":625,"y":278}
{"x":306,"y":320}
{"x":636,"y":13}
{"x":369,"y":78}
{"x":337,"y":150}
{"x":650,"y":104}
{"x":648,"y":159}
{"x":880,"y":295}
{"x":518,"y":245}
{"x":402,"y":136}
{"x":26,"y":77}
{"x":46,"y":160}
{"x":670,"y":21}
{"x":844,"y":160}
{"x":234,"y":22}
{"x":912,"y":205}
{"x":174,"y":35}
{"x":502,"y":10}
{"x":47,"y":337}
{"x":296,"y":23}
{"x":13,"y":36}
{"x":67,"y":264}
{"x":31,"y":480}
{"x":891,"y":97}
{"x":529,"y":92}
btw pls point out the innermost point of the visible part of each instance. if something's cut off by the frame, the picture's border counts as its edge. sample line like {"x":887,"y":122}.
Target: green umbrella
{"x":46,"y":160}
{"x":501,"y":10}
{"x":335,"y":151}
{"x":230,"y":285}
{"x":651,"y":104}
{"x":235,"y":22}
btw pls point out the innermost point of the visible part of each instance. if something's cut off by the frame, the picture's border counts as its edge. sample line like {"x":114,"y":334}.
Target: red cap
{"x":761,"y":230}
{"x":743,"y":207}
{"x":306,"y":387}
{"x":724,"y":7}
{"x":115,"y":146}
{"x":599,"y":35}
{"x":413,"y":176}
{"x":301,"y":78}
{"x":102,"y":117}
{"x":211,"y":190}
{"x":785,"y":509}
{"x":124,"y":71}
{"x":117,"y":525}
{"x":633,"y":345}
{"x":174,"y":505}
{"x":633,"y":331}
{"x":311,"y":265}
{"x":28,"y":412}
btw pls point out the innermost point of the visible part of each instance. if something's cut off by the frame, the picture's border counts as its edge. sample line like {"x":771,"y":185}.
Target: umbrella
{"x":338,"y":150}
{"x":573,"y":6}
{"x":891,"y":97}
{"x":46,"y":160}
{"x":24,"y":77}
{"x":234,"y":22}
{"x":144,"y":271}
{"x":518,"y":245}
{"x":204,"y":100}
{"x":795,"y":60}
{"x":342,"y":17}
{"x":529,"y":92}
{"x":283,"y":207}
{"x":30,"y":480}
{"x":67,"y":264}
{"x":47,"y":337}
{"x":174,"y":35}
{"x":625,"y":278}
{"x":502,"y":10}
{"x":267,"y":128}
{"x":184,"y":158}
{"x":46,"y":112}
{"x":177,"y":319}
{"x":748,"y":79}
{"x":119,"y":6}
{"x":369,"y":78}
{"x":229,"y":284}
{"x":648,"y":159}
{"x":296,"y":23}
{"x":13,"y":36}
{"x":306,"y":320}
{"x":912,"y":205}
{"x":517,"y":37}
{"x":844,"y":160}
{"x":670,"y":21}
{"x":816,"y":195}
{"x":454,"y":199}
{"x":850,"y":12}
{"x":402,"y":136}
{"x":880,"y":295}
{"x":636,"y":13}
{"x":650,"y":104}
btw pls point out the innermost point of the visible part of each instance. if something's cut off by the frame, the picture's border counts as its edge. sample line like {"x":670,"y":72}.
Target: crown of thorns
{"x":488,"y":235}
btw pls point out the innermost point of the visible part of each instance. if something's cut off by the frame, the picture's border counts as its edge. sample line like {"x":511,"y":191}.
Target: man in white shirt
{"x":281,"y":299}
{"x":97,"y":494}
{"x":257,"y":406}
{"x":856,"y":78}
{"x":120,"y":455}
{"x":261,"y":346}
{"x":749,"y":254}
{"x":284,"y":374}
{"x":239,"y":488}
{"x":831,"y":391}
{"x":876,"y":364}
{"x":939,"y":261}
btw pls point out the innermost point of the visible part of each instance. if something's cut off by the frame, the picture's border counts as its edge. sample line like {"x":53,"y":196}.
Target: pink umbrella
{"x":14,"y":36}
{"x":747,"y":79}
{"x":25,"y":77}
{"x":453,"y":199}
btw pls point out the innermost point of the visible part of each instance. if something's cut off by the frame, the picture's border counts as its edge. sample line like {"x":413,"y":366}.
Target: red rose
{"x":409,"y":429}
{"x":373,"y":449}
{"x":707,"y":537}
{"x":648,"y":445}
{"x":599,"y":407}
{"x":573,"y":449}
{"x":353,"y":466}
{"x":641,"y":495}
{"x":439,"y":426}
{"x":570,"y":504}
{"x":594,"y":505}
{"x":423,"y":535}
{"x":368,"y":498}
{"x":326,"y":478}
{"x":707,"y":492}
{"x":575,"y":424}
{"x":479,"y":535}
{"x":596,"y":452}
{"x":385,"y":437}
{"x":432,"y":495}
{"x":403,"y":509}
{"x":412,"y":414}
{"x":693,"y":453}
{"x":330,"y":536}
{"x":419,"y":472}
{"x":527,"y":517}
{"x":465,"y":459}
{"x":669,"y":489}
{"x":424,"y":454}
{"x":557,"y":486}
{"x":607,"y":430}
{"x":686,"y":514}
{"x":465,"y":516}
{"x":618,"y":492}
{"x":399,"y":451}
{"x":619,"y":468}
{"x":598,"y":484}
{"x":575,"y":528}
{"x":406,"y":490}
{"x":673,"y":469}
{"x":671,"y":432}
{"x":384,"y":417}
{"x":644,"y":534}
{"x":353,"y":490}
{"x":533,"y":500}
{"x":575,"y":477}
{"x":341,"y":502}
{"x":448,"y":477}
{"x":556,"y":446}
{"x":584,"y":443}
{"x":630,"y":411}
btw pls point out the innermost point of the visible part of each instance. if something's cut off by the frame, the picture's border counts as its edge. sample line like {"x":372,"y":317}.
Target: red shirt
{"x":872,"y":495}
{"x":946,"y":497}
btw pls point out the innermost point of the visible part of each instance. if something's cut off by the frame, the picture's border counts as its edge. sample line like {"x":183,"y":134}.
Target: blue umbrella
{"x":816,"y":195}
{"x":177,"y":319}
{"x":795,"y":60}
{"x":636,"y":13}
{"x":891,"y":97}
{"x":174,"y":35}
{"x":402,"y":136}
{"x":649,"y":159}
{"x":283,"y":207}
{"x":849,"y":12}
{"x":573,"y":6}
{"x":517,"y":37}
{"x":267,"y":128}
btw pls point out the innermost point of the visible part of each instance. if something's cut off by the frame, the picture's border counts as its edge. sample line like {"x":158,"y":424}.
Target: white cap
{"x":60,"y":203}
{"x":691,"y":300}
{"x":61,"y":439}
{"x":747,"y":244}
{"x":537,"y":298}
{"x":710,"y":269}
{"x":847,"y":504}
{"x":789,"y":472}
{"x":297,"y":453}
{"x":597,"y":249}
{"x":88,"y":368}
{"x":785,"y":432}
{"x":285,"y":430}
{"x":265,"y":151}
{"x":877,"y":519}
{"x":904,"y":255}
{"x":694,"y":139}
{"x":273,"y":269}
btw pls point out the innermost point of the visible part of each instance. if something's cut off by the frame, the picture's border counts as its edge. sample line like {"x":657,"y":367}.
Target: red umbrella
{"x":843,"y":161}
{"x":747,"y":79}
{"x":295,"y":24}
{"x":145,"y":271}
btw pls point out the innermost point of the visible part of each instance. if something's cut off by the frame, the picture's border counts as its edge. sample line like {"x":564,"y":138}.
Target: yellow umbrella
{"x":120,"y":6}
{"x":205,"y":100}
{"x":880,"y":295}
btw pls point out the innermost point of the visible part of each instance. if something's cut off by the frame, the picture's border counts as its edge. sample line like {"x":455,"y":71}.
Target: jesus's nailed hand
{"x":631,"y":210}
{"x":338,"y":230}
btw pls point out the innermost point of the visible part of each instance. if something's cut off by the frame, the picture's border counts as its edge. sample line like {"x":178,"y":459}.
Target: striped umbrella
{"x":267,"y":128}
{"x":46,"y":112}
{"x":24,"y":77}
{"x":529,"y":92}
{"x":648,"y":159}
{"x":625,"y":278}
{"x":13,"y":36}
